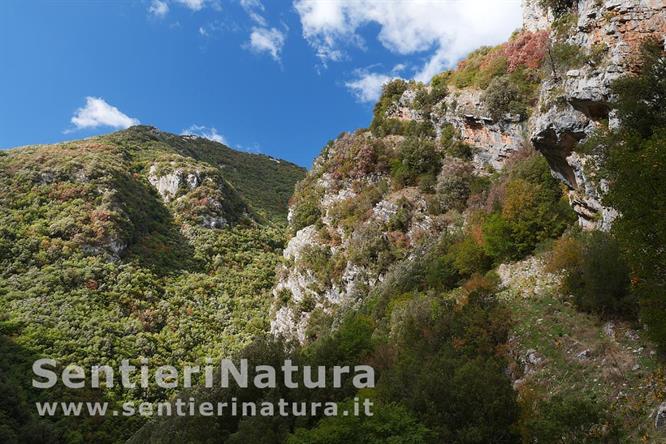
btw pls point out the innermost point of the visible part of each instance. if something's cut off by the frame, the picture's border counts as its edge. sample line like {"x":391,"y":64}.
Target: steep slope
{"x":548,"y":88}
{"x":441,"y":248}
{"x":593,"y":44}
{"x":135,"y":244}
{"x":432,"y":162}
{"x":455,"y":180}
{"x":562,"y":353}
{"x":264,"y":182}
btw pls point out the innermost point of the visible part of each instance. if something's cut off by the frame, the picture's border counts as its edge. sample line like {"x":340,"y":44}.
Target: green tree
{"x":636,"y":168}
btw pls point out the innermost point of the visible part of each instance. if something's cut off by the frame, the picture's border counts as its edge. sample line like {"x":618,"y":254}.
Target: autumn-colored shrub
{"x":567,"y":252}
{"x":370,"y":158}
{"x":526,"y":49}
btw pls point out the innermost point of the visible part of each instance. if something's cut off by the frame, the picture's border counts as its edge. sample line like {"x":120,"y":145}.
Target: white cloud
{"x":400,"y":67}
{"x":367,"y":87}
{"x":205,"y":132}
{"x":257,"y":18}
{"x":254,"y":8}
{"x":270,"y":40}
{"x":444,"y":30}
{"x":252,"y":4}
{"x":98,"y":113}
{"x":194,"y":5}
{"x":158,"y":9}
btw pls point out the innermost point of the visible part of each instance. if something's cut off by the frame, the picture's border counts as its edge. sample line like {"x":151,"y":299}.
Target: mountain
{"x":492,"y":245}
{"x":443,"y":146}
{"x":487,"y":246}
{"x":500,"y":176}
{"x":136,"y":243}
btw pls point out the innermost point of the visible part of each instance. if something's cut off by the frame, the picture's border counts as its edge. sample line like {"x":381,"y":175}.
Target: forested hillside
{"x":136,"y":244}
{"x":492,"y":244}
{"x":484,"y":246}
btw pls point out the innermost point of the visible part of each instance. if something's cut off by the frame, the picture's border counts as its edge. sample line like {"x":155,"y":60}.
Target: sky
{"x":274,"y":77}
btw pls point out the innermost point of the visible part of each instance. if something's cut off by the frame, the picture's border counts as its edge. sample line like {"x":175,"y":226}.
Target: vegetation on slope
{"x":142,"y":277}
{"x":98,"y":267}
{"x":264,"y":182}
{"x":634,"y":163}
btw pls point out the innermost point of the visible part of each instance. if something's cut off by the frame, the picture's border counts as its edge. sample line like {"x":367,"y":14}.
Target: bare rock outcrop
{"x":574,"y":103}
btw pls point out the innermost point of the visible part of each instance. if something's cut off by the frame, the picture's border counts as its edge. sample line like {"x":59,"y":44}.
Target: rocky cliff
{"x":547,"y":88}
{"x":575,"y":100}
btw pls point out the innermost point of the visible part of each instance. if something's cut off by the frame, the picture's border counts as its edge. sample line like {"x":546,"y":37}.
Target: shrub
{"x":467,"y":70}
{"x":566,"y":55}
{"x":494,"y":65}
{"x":306,"y":212}
{"x":417,"y":157}
{"x":527,"y":208}
{"x":498,"y":241}
{"x":567,"y":252}
{"x":453,"y":184}
{"x":559,"y":7}
{"x":383,"y":126}
{"x":452,"y":146}
{"x":371,"y":248}
{"x":447,"y":368}
{"x":427,"y":97}
{"x":526,"y":49}
{"x":640,"y":99}
{"x":349,"y":213}
{"x":400,"y":220}
{"x":307,"y":304}
{"x":388,"y":423}
{"x":499,"y":96}
{"x":318,"y":260}
{"x":468,"y":257}
{"x":598,"y":278}
{"x":569,"y":418}
{"x":512,"y":93}
{"x":636,"y":171}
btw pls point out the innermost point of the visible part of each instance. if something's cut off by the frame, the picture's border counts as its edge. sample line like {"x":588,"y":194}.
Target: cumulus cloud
{"x":268,"y":40}
{"x":205,"y":132}
{"x":98,"y":113}
{"x":444,"y":30}
{"x":367,"y":86}
{"x":158,"y":9}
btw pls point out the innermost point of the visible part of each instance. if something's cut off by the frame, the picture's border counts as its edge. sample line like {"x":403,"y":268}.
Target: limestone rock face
{"x":302,"y":290}
{"x":534,"y":17}
{"x":574,"y":103}
{"x":494,"y":141}
{"x":170,"y":183}
{"x":196,"y":194}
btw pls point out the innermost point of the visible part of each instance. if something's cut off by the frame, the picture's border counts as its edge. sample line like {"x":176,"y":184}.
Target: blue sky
{"x":278,"y":77}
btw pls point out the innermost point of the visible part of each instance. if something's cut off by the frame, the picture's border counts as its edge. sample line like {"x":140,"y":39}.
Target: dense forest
{"x":98,"y":266}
